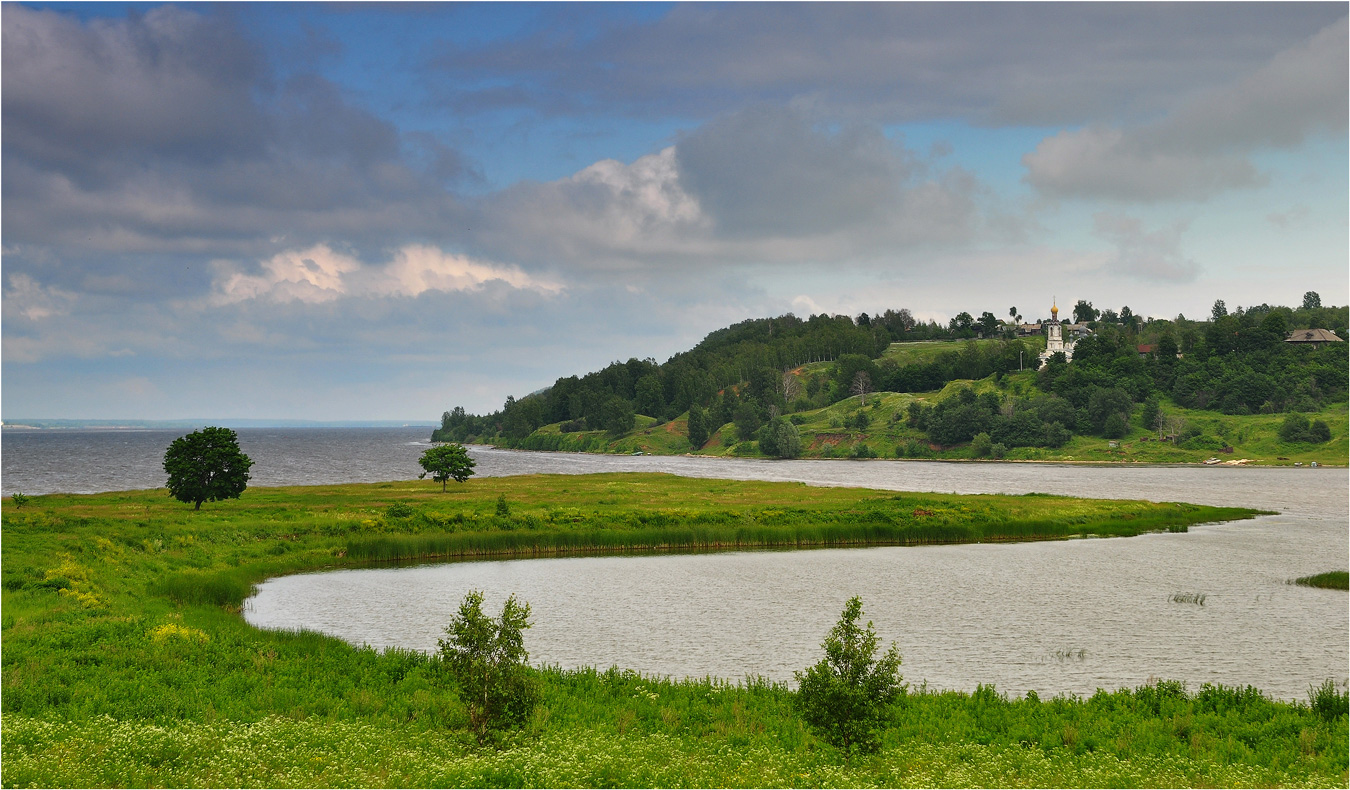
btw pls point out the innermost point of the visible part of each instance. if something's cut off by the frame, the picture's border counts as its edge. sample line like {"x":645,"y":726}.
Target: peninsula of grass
{"x":126,"y":661}
{"x":1331,"y":580}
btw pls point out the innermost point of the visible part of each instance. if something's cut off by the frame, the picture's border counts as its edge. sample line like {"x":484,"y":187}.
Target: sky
{"x":382,"y":211}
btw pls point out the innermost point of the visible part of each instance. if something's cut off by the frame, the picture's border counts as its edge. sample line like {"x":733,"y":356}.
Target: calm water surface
{"x":1059,"y":617}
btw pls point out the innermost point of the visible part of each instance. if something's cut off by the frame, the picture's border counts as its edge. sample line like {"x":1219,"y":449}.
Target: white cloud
{"x":30,"y":299}
{"x":321,"y":274}
{"x":313,"y":275}
{"x":417,"y":269}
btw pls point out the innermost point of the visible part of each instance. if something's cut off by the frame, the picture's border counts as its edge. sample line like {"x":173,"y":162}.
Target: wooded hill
{"x":888,"y":385}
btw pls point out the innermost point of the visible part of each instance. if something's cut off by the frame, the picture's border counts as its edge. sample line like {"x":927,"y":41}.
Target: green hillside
{"x":1228,"y":390}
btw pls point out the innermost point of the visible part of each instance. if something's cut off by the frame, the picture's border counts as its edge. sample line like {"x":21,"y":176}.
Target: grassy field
{"x":126,"y":663}
{"x":924,"y":351}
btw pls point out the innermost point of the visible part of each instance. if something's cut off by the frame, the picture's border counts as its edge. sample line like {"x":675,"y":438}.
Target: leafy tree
{"x":1084,"y":312}
{"x":487,"y":659}
{"x":446,"y":461}
{"x":788,"y":438}
{"x":698,"y":427}
{"x":848,"y":695}
{"x":206,"y":466}
{"x":987,"y":323}
{"x":747,"y":420}
{"x":780,"y":438}
{"x":1219,"y":310}
{"x":618,"y":416}
{"x":650,"y":398}
{"x":1297,"y":428}
{"x":963,"y":325}
{"x":1312,"y":301}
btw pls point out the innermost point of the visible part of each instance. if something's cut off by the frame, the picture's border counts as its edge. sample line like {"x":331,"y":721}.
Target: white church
{"x":1054,"y":338}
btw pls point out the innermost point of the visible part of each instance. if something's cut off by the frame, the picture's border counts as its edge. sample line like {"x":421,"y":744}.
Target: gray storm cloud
{"x":1203,"y":147}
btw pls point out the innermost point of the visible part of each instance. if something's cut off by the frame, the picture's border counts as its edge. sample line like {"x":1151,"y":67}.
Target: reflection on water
{"x":1059,"y":617}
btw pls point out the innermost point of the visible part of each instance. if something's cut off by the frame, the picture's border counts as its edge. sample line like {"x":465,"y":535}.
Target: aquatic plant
{"x":1332,"y":580}
{"x":1195,"y":598}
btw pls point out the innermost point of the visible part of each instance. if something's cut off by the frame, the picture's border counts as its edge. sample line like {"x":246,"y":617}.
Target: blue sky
{"x":380,"y":211}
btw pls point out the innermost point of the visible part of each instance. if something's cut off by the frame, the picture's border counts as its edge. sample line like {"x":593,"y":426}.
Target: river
{"x":1056,"y":617}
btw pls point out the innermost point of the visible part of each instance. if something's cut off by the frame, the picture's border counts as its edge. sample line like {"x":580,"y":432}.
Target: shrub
{"x":1115,"y":426}
{"x":997,"y":450}
{"x":399,"y":510}
{"x":980,"y":445}
{"x":487,"y":660}
{"x":847,"y":697}
{"x":1296,"y":428}
{"x":1327,"y":702}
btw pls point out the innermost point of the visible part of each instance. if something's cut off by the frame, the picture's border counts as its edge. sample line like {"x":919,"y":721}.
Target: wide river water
{"x":1056,"y":617}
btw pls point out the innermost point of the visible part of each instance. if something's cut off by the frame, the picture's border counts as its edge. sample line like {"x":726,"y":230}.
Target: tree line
{"x":745,"y":374}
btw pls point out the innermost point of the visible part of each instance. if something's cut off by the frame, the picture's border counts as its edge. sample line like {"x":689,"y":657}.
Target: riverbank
{"x":126,"y":662}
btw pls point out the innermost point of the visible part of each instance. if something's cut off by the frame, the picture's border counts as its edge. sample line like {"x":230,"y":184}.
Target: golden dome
{"x":1054,"y":311}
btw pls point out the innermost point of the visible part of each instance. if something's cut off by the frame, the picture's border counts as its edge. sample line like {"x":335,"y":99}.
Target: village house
{"x":1313,"y":337}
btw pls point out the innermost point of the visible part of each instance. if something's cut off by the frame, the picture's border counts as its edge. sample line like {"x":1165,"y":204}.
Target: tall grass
{"x":1332,"y":580}
{"x":221,"y":588}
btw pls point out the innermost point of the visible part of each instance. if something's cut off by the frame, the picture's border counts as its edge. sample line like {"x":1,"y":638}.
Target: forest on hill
{"x":891,"y":385}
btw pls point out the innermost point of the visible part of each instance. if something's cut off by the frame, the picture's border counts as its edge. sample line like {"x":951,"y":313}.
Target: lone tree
{"x":847,"y":696}
{"x":445,"y":461}
{"x":861,"y":386}
{"x":487,"y":659}
{"x":206,"y":466}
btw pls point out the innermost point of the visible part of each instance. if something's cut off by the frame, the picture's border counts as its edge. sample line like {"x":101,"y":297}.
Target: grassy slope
{"x":1253,"y":437}
{"x":125,"y":661}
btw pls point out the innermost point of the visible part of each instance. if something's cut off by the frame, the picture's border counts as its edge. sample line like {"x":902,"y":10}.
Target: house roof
{"x":1147,"y":348}
{"x":1313,"y":336}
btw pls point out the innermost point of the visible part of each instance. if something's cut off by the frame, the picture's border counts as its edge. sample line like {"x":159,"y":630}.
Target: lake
{"x":1056,"y":617}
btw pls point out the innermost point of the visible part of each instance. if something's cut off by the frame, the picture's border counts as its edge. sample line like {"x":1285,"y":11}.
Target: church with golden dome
{"x":1054,"y":337}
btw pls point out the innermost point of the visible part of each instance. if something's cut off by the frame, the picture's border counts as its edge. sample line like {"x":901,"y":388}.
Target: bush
{"x":980,"y":445}
{"x":1327,"y":702}
{"x":487,"y":660}
{"x":997,"y":450}
{"x":847,"y":697}
{"x":1296,"y":428}
{"x":861,"y":450}
{"x":399,"y":510}
{"x":1115,"y":426}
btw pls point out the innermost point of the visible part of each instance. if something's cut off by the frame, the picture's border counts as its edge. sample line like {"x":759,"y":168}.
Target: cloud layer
{"x":1203,"y":147}
{"x":245,"y":210}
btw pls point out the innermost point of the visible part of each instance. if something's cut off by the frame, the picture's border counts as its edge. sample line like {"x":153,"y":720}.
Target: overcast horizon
{"x":379,"y":212}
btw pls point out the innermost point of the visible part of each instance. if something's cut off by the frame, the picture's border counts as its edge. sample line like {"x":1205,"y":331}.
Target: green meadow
{"x":126,"y":661}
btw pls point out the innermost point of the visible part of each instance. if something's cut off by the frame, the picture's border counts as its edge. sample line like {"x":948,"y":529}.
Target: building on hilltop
{"x":1313,"y":337}
{"x":1054,"y":336}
